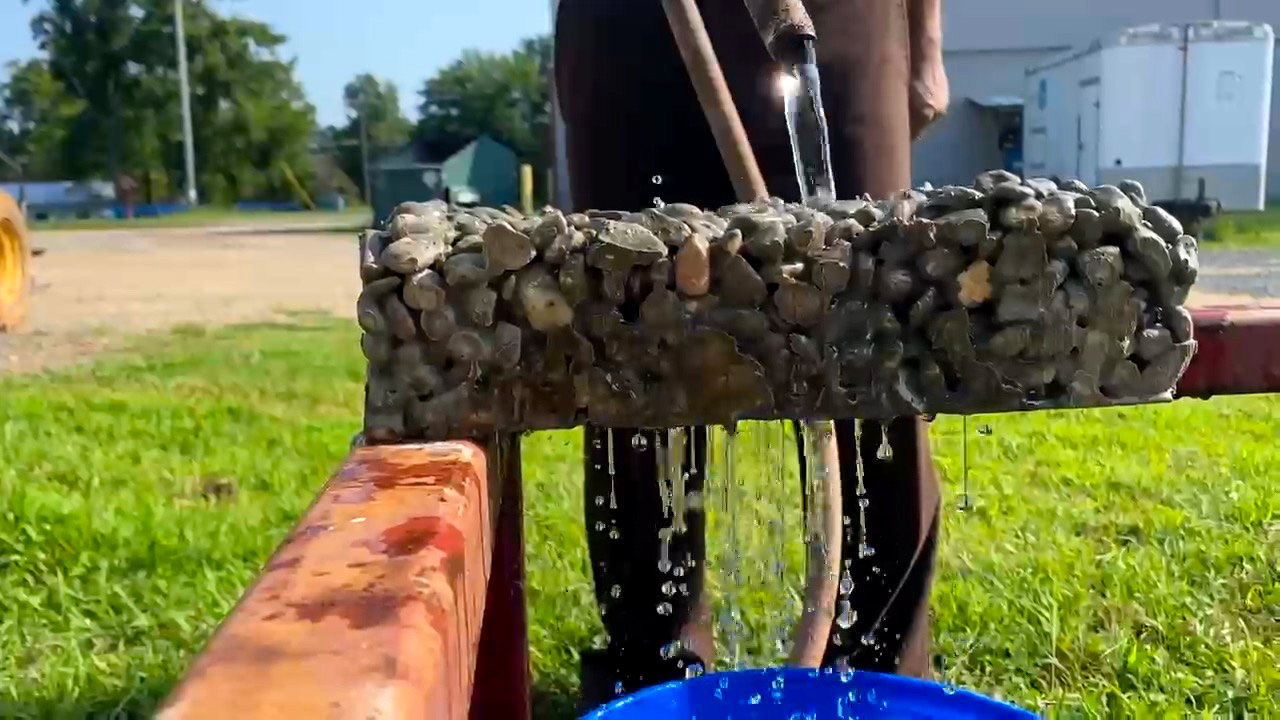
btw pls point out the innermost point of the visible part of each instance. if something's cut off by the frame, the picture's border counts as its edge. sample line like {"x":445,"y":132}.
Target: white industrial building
{"x":989,"y":44}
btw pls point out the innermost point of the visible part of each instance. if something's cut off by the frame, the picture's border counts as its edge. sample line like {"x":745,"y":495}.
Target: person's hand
{"x":929,"y":92}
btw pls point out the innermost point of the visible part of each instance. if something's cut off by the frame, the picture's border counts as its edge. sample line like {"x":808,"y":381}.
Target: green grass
{"x":1119,"y":562}
{"x":351,"y":218}
{"x":1244,"y":230}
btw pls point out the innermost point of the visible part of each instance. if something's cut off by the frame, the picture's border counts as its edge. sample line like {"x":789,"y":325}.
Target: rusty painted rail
{"x":1239,"y":351}
{"x":373,"y":606}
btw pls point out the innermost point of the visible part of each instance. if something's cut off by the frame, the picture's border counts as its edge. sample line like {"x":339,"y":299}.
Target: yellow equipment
{"x":15,"y":264}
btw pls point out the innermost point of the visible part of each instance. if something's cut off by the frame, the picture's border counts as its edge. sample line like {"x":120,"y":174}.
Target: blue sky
{"x":401,"y":40}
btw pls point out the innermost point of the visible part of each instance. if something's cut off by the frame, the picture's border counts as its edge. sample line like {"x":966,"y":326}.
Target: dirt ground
{"x":93,"y":288}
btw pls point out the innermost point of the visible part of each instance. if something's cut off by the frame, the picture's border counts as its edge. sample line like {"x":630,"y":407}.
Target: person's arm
{"x":929,"y":94}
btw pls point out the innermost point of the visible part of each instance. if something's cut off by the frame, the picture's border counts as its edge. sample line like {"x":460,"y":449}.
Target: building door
{"x":1088,"y":127}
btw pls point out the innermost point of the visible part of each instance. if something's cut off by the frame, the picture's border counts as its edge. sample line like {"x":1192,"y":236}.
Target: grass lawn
{"x":1244,"y":230}
{"x":1118,"y":561}
{"x":349,"y":219}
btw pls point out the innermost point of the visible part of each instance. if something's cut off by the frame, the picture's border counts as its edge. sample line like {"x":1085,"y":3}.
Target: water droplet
{"x":617,"y":688}
{"x":865,"y":550}
{"x":640,"y":442}
{"x":754,"y":699}
{"x":949,"y":688}
{"x":670,"y":650}
{"x":724,"y":682}
{"x":846,"y":582}
{"x":664,"y":608}
{"x":599,"y":498}
{"x":684,"y":589}
{"x":668,"y":588}
{"x":596,"y":443}
{"x":614,"y":534}
{"x":658,"y":203}
{"x":664,"y":566}
{"x":847,"y":520}
{"x":615,"y":591}
{"x":777,"y":683}
{"x":869,"y":639}
{"x":847,"y":616}
{"x":694,"y":670}
{"x":600,"y":526}
{"x":885,"y":451}
{"x":657,"y":179}
{"x":864,"y":503}
{"x":984,"y":429}
{"x":678,"y":571}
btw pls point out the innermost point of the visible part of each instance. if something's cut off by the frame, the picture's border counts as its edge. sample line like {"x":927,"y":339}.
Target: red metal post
{"x":1239,"y":351}
{"x":502,"y":687}
{"x":373,"y":605}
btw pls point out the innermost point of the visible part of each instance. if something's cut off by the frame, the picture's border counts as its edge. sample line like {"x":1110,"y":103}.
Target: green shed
{"x":481,"y":172}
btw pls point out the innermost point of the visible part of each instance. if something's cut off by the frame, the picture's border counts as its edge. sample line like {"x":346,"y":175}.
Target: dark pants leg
{"x":632,"y":115}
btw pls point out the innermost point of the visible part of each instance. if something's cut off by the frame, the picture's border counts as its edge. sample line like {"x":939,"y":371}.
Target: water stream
{"x":807,"y":127}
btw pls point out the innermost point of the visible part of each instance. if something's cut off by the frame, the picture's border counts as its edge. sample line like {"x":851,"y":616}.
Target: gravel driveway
{"x":93,"y":286}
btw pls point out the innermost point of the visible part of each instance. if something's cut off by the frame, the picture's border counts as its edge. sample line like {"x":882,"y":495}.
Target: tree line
{"x":101,"y":100}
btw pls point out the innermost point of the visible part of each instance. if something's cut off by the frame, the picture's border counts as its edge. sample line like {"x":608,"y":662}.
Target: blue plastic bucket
{"x":794,"y":694}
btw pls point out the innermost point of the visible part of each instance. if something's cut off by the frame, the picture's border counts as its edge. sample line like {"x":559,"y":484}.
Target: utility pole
{"x":184,"y":93}
{"x":361,"y":111}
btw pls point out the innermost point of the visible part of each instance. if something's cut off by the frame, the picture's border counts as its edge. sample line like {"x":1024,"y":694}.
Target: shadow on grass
{"x":554,"y":703}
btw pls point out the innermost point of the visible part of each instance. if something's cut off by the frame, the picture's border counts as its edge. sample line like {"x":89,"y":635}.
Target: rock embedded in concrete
{"x":1005,"y":295}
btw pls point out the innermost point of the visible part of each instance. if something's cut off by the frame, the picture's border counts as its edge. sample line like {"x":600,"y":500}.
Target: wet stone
{"x":487,"y":320}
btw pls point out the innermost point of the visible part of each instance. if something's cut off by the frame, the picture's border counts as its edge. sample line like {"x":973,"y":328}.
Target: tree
{"x":35,"y":115}
{"x":377,"y":103}
{"x":116,"y":62}
{"x":505,"y":96}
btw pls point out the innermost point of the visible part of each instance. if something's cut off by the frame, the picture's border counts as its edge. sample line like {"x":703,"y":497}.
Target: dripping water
{"x":964,"y":451}
{"x":864,"y":548}
{"x":731,"y":553}
{"x":613,"y":495}
{"x":661,"y":464}
{"x":884,"y":453}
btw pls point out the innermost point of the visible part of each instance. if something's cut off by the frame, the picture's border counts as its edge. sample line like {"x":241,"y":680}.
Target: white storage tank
{"x":1180,"y":108}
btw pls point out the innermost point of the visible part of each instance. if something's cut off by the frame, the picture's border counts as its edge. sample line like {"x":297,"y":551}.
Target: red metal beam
{"x":371,"y":608}
{"x":502,"y":686}
{"x":1239,"y":351}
